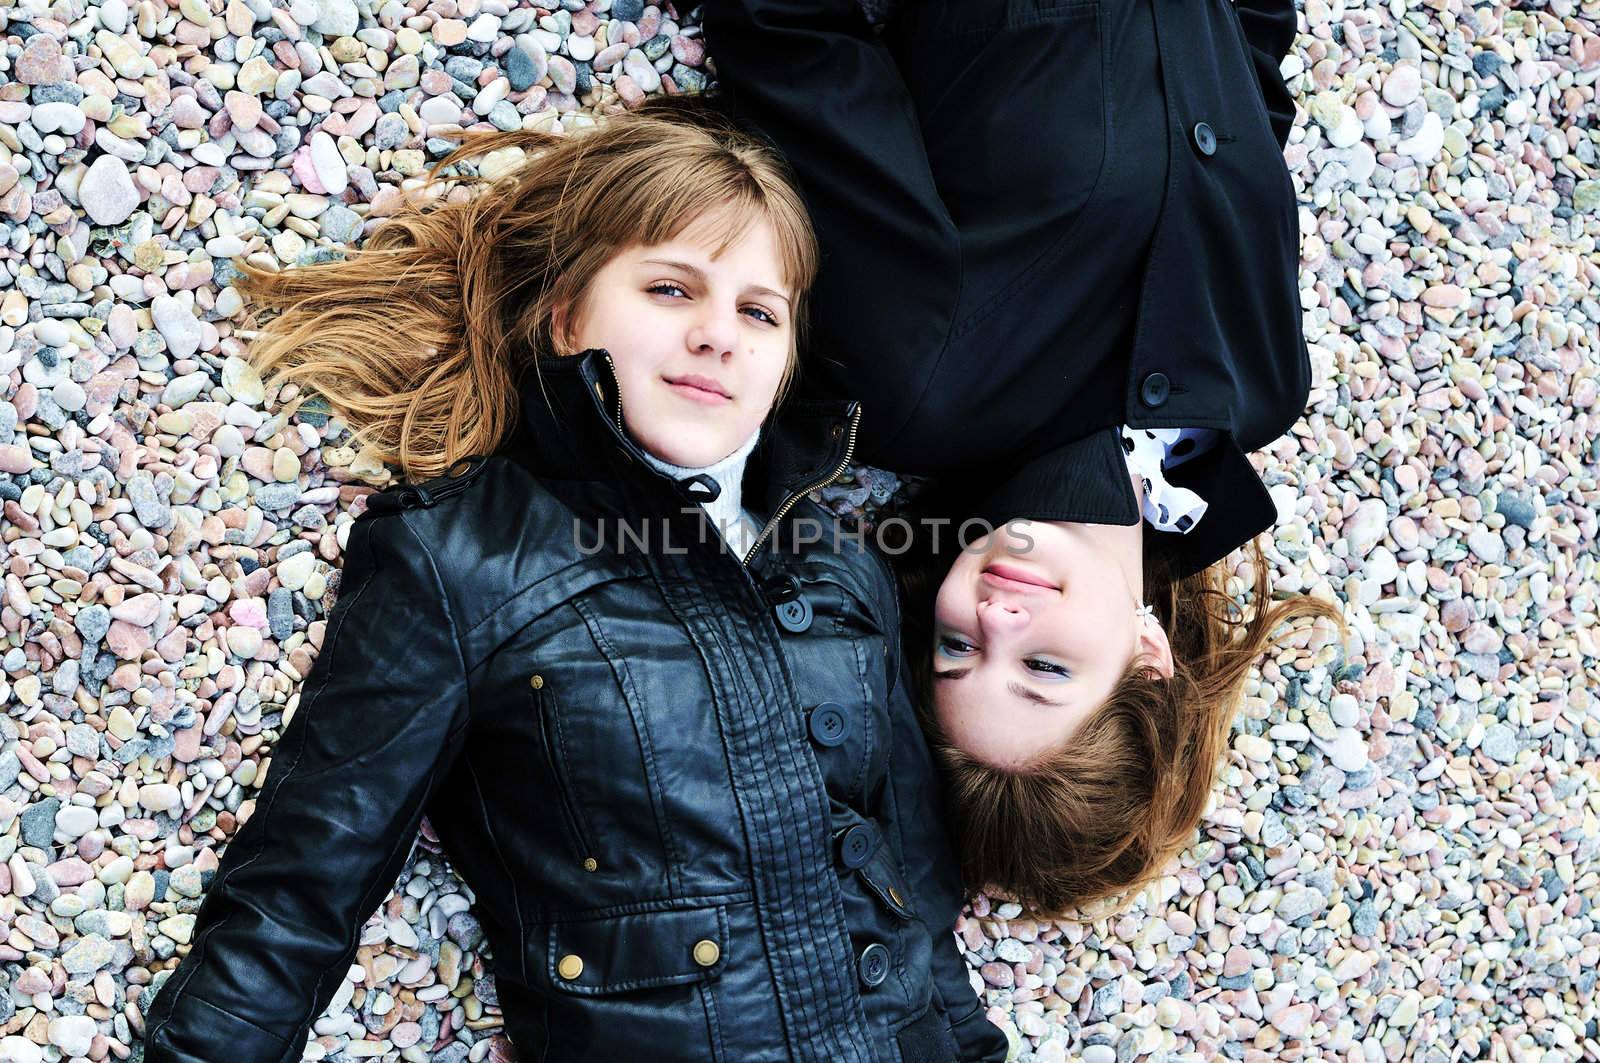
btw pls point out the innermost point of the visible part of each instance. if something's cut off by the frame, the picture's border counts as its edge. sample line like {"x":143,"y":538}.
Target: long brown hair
{"x":417,"y":339}
{"x":1103,"y":814}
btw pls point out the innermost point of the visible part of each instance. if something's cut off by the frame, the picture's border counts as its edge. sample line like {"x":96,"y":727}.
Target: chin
{"x":694,"y":453}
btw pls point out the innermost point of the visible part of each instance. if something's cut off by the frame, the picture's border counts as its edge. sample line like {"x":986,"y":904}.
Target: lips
{"x":703,"y":383}
{"x":1019,"y":578}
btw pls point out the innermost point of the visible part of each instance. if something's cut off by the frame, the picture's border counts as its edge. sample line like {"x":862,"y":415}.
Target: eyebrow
{"x":1015,"y":687}
{"x":699,"y":274}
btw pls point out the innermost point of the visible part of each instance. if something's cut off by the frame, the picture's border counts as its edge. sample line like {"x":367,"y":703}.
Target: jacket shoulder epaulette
{"x":429,"y":492}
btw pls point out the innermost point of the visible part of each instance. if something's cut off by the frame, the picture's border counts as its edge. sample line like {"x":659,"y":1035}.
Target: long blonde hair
{"x":417,"y":339}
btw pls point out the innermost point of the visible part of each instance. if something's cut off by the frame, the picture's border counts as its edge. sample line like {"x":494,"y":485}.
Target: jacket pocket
{"x":632,"y":951}
{"x":634,"y":985}
{"x":1268,"y":92}
{"x":548,"y":715}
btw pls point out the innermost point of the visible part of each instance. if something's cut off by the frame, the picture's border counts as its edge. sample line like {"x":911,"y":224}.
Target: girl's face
{"x":1033,"y":626}
{"x":700,"y":343}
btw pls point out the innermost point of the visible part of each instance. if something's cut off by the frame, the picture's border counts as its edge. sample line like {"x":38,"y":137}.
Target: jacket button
{"x":706,"y":953}
{"x":873,"y":965}
{"x":1205,"y":138}
{"x":856,"y":846}
{"x":537,"y":682}
{"x":570,"y":967}
{"x":1155,"y":390}
{"x":794,"y":615}
{"x":829,"y":725}
{"x":591,"y":864}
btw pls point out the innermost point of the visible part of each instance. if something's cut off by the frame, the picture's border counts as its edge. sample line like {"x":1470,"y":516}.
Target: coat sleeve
{"x":813,"y":77}
{"x":382,"y":714}
{"x":930,"y":864}
{"x":1269,"y":27}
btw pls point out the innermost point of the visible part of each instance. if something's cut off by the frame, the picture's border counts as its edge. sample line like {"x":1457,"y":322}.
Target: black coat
{"x":688,"y":790}
{"x":1041,"y":219}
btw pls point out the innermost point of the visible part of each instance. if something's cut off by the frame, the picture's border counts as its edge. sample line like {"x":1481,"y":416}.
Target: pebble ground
{"x":1401,"y":858}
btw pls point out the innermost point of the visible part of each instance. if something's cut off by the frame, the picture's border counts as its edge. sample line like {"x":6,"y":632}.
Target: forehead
{"x":716,"y":232}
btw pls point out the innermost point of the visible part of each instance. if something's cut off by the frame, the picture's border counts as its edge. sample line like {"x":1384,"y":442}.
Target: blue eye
{"x":765,"y":315}
{"x":1037,"y":665}
{"x":655,"y":288}
{"x":954,"y":647}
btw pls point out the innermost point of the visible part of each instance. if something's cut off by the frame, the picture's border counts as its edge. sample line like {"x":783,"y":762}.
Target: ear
{"x":1153,"y":646}
{"x":558,"y":327}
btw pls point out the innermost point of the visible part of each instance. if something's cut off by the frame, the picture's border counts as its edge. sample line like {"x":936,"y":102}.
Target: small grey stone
{"x":10,"y":768}
{"x":83,"y":740}
{"x":39,"y":823}
{"x":1500,"y":743}
{"x":275,"y":497}
{"x":390,"y":132}
{"x":148,"y":506}
{"x":1517,"y":509}
{"x":1299,"y":903}
{"x":523,"y":70}
{"x":340,"y":224}
{"x":87,"y":956}
{"x":93,"y":622}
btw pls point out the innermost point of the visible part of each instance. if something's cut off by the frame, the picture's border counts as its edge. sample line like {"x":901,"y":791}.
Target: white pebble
{"x":107,"y":191}
{"x":328,"y":163}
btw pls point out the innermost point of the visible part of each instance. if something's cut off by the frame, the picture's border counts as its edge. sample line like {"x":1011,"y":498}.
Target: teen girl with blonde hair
{"x":676,"y":769}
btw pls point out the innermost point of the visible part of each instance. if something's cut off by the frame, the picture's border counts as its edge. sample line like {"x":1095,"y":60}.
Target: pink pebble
{"x":1294,"y":1021}
{"x":449,"y":31}
{"x":15,"y":459}
{"x":998,"y":974}
{"x":69,"y":872}
{"x":305,"y":172}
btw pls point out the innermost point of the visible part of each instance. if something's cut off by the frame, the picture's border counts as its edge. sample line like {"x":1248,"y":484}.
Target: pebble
{"x":107,"y":191}
{"x":178,"y":327}
{"x":1500,"y":743}
{"x":335,"y":18}
{"x":328,"y":163}
{"x":1402,"y":85}
{"x":1428,"y":141}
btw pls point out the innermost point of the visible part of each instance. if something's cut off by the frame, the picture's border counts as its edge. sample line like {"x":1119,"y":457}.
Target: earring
{"x":1144,"y":611}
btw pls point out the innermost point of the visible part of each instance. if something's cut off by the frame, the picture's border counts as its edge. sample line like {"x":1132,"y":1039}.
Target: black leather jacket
{"x":687,"y":789}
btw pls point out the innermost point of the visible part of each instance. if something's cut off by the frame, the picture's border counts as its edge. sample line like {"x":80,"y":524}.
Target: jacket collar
{"x":571,"y":427}
{"x":1087,"y":481}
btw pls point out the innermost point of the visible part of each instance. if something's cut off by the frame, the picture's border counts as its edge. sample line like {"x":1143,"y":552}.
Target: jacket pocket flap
{"x":639,"y":950}
{"x":885,"y":881}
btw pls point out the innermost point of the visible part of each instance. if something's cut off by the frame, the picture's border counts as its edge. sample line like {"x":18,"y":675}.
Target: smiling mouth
{"x":1013,"y":578}
{"x":699,"y":389}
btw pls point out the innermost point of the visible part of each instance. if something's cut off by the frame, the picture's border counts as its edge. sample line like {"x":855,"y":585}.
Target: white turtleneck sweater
{"x":727,"y":513}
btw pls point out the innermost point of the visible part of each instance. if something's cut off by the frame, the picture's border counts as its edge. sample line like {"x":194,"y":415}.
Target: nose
{"x":999,"y":617}
{"x":715,"y":332}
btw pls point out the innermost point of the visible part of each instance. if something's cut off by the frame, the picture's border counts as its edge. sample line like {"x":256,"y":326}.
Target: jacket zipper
{"x":850,"y":447}
{"x":616,"y":389}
